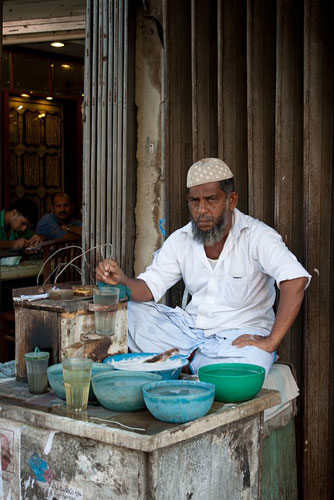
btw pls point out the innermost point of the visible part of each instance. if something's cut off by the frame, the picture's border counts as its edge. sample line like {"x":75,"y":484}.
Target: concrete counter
{"x":93,"y":455}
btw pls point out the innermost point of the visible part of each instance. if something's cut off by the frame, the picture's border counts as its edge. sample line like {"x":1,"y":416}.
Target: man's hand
{"x":109,"y":272}
{"x":264,"y":343}
{"x":36,"y":239}
{"x":291,"y":297}
{"x":19,"y":243}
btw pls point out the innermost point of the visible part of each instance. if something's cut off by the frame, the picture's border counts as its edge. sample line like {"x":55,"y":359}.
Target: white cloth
{"x":239,"y":292}
{"x":30,"y":298}
{"x":155,"y":328}
{"x":280,"y":379}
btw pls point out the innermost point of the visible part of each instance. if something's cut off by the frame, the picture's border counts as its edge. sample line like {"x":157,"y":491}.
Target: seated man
{"x":229,"y":263}
{"x":59,"y":223}
{"x":15,"y":225}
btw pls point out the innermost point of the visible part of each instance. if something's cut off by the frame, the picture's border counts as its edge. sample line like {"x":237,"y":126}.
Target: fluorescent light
{"x":57,"y":44}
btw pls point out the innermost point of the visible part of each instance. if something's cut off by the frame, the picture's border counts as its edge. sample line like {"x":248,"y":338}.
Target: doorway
{"x":42,"y":123}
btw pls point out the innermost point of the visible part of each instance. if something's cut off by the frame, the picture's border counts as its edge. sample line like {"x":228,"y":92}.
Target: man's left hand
{"x":36,"y":239}
{"x":264,"y":343}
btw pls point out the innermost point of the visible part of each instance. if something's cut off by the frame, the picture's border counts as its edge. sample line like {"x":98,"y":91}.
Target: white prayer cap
{"x":208,"y":170}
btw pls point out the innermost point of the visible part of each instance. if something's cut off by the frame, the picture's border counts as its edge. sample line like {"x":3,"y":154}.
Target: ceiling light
{"x":49,"y":98}
{"x":57,"y":44}
{"x":25,"y":95}
{"x":65,"y":66}
{"x":41,"y":115}
{"x":20,"y":107}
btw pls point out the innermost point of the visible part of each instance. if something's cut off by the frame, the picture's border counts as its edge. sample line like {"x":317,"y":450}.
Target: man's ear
{"x":234,"y":197}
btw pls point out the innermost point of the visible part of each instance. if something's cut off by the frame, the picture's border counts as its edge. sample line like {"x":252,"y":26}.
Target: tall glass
{"x":77,"y":374}
{"x":105,"y":302}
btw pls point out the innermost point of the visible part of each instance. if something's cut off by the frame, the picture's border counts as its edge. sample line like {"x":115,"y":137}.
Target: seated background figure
{"x":15,"y":225}
{"x":59,"y":223}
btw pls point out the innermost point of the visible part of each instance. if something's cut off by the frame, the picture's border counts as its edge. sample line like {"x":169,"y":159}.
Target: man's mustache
{"x":204,"y":219}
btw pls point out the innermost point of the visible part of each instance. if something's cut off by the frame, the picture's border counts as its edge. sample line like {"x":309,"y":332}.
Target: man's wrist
{"x":273,"y":344}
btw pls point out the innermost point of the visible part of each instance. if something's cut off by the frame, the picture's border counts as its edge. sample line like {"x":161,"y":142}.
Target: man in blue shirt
{"x":59,"y":223}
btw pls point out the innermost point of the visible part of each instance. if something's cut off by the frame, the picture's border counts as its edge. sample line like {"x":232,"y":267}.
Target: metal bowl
{"x":61,"y":294}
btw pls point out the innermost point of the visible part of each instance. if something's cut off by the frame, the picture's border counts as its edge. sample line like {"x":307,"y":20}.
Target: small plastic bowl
{"x":178,"y":401}
{"x":56,"y":378}
{"x":168,"y":374}
{"x":234,"y":382}
{"x":121,"y":390}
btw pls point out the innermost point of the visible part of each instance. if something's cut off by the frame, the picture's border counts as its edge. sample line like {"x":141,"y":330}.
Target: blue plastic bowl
{"x":56,"y":378}
{"x":122,"y":390}
{"x":178,"y":401}
{"x":171,"y":374}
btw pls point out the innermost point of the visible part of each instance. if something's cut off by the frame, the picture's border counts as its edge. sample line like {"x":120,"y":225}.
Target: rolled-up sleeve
{"x":164,"y":271}
{"x":275,"y":258}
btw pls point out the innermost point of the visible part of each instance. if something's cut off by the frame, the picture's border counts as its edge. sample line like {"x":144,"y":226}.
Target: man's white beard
{"x":214,"y":235}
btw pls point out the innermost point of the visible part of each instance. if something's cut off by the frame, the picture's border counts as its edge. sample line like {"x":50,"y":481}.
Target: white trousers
{"x":156,"y":328}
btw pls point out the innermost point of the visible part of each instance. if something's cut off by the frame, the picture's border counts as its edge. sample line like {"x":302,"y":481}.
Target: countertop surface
{"x":135,"y":430}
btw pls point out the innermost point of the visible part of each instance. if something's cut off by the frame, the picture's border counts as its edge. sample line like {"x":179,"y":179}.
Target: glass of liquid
{"x":36,"y":364}
{"x":77,"y":374}
{"x":105,"y":302}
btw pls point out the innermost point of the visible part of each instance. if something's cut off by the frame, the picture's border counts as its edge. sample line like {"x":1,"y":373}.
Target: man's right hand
{"x":20,"y":243}
{"x":109,"y":272}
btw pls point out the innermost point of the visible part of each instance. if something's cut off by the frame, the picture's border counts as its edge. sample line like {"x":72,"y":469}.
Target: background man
{"x":15,"y":223}
{"x":229,"y":263}
{"x":59,"y":223}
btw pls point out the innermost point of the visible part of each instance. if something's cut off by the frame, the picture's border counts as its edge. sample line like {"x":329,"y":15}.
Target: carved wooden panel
{"x":15,"y":169}
{"x":14,"y":135}
{"x":31,"y":169}
{"x":36,"y":150}
{"x":52,"y":170}
{"x":32,"y":128}
{"x":52,"y":129}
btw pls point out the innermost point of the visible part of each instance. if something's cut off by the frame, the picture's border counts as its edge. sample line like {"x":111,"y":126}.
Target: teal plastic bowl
{"x":56,"y":378}
{"x":122,"y":390}
{"x":234,"y":382}
{"x":178,"y":401}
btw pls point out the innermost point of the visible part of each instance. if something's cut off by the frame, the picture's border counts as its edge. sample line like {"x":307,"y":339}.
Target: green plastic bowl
{"x":234,"y":382}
